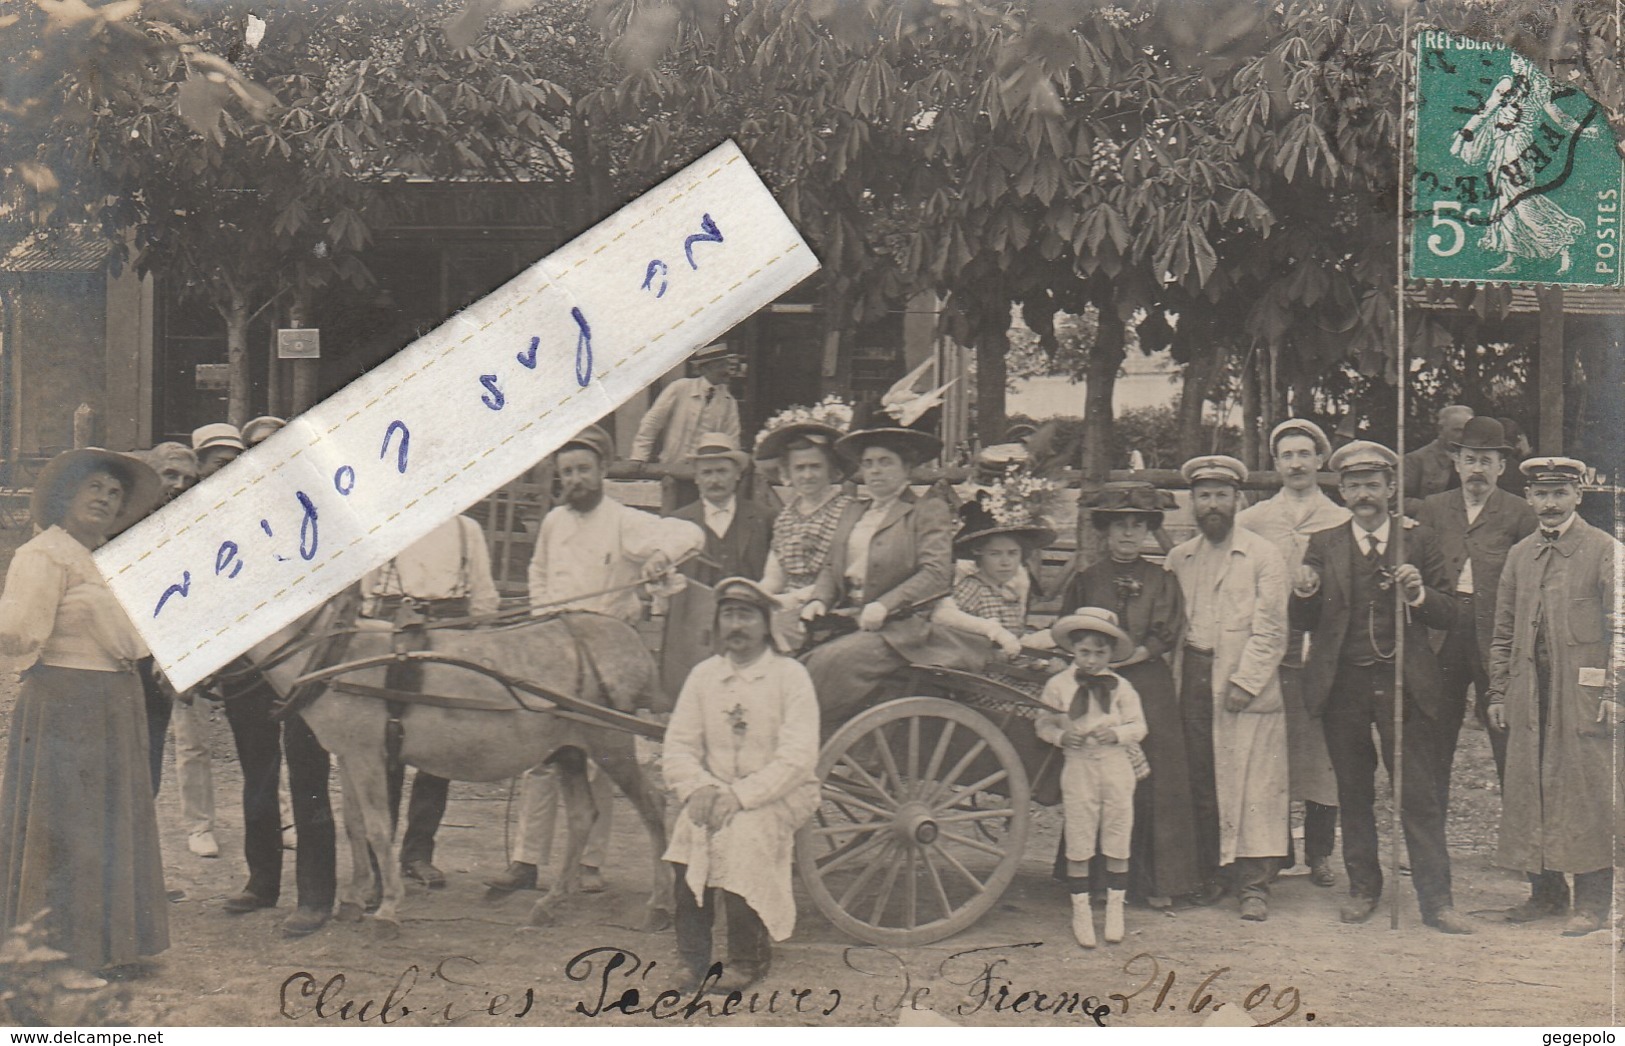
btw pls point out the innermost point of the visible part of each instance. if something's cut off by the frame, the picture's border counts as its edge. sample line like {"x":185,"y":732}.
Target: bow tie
{"x":1098,"y":687}
{"x":1550,"y":534}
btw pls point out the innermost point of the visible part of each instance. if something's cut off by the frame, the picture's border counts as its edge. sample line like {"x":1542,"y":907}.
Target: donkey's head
{"x":305,"y":643}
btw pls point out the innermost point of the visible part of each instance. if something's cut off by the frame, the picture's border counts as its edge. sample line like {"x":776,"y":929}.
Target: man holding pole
{"x":1343,"y":595}
{"x":1554,"y":690}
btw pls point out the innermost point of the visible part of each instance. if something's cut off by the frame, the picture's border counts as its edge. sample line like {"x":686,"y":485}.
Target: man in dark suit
{"x":1475,"y":527}
{"x":1343,"y":596}
{"x":738,"y":531}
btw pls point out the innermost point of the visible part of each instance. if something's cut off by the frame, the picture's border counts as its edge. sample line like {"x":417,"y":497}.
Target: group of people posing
{"x":1204,"y":693}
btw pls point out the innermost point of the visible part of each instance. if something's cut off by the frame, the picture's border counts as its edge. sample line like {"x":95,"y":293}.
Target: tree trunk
{"x":235,"y":313}
{"x":992,"y":375}
{"x":1198,"y":380}
{"x":1105,"y":360}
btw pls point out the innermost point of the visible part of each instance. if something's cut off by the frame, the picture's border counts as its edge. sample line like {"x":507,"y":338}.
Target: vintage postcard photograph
{"x":639,"y":514}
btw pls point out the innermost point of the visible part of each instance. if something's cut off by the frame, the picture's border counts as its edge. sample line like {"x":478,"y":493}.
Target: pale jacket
{"x":679,"y":416}
{"x":578,"y":553}
{"x":752,"y":730}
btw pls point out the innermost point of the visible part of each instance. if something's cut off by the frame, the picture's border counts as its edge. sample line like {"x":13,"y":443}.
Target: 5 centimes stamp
{"x":1516,"y":176}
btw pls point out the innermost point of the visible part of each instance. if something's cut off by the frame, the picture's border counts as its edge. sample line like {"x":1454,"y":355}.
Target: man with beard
{"x":738,"y":531}
{"x":1343,"y":593}
{"x":1431,"y":469}
{"x":1286,"y":520}
{"x":740,"y":753}
{"x":1235,"y":588}
{"x":1476,"y":527}
{"x":587,"y":545}
{"x":1555,"y":690}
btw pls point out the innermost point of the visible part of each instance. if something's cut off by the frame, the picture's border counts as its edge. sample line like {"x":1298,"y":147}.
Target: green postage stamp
{"x":1517,"y":178}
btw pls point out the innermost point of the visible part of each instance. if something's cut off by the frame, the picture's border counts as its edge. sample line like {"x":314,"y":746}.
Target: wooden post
{"x":1552,"y":371}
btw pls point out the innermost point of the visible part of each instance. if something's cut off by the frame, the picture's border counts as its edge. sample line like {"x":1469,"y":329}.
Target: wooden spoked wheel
{"x":921,"y":823}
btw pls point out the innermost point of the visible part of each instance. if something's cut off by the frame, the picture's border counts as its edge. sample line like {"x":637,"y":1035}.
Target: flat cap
{"x":1214,"y":466}
{"x":220,"y":434}
{"x":1301,"y":427}
{"x":744,"y":590}
{"x":594,"y":439}
{"x":1364,"y":455}
{"x":1554,"y":470}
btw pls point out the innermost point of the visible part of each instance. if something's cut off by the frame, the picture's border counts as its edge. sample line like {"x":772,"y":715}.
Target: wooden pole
{"x":1396,"y":533}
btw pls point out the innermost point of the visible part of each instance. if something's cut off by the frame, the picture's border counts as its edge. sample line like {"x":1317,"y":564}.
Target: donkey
{"x":597,"y":659}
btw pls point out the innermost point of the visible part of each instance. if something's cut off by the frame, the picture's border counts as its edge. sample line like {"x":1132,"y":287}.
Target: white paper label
{"x":453,"y":416}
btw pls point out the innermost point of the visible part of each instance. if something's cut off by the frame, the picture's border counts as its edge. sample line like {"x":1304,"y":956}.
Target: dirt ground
{"x":460,"y":958}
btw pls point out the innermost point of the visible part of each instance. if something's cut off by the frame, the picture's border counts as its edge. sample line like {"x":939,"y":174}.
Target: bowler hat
{"x":1483,"y":433}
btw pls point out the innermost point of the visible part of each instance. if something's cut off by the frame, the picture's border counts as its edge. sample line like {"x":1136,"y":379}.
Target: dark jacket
{"x":1504,"y":520}
{"x":742,"y":552}
{"x":1325,"y":615}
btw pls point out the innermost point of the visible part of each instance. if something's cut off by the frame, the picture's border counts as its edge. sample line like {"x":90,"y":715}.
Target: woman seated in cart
{"x":890,"y":562}
{"x":1150,"y":608}
{"x":999,"y":531}
{"x":802,"y":440}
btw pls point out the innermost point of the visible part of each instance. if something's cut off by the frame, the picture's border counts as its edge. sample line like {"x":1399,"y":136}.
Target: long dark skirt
{"x":78,"y":831}
{"x":1162,"y":850}
{"x":1164,"y":843}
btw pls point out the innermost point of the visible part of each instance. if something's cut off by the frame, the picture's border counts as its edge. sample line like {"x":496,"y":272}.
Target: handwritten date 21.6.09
{"x":1159,"y":993}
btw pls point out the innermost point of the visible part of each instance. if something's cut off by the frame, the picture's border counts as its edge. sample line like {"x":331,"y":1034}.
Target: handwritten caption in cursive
{"x":453,"y":416}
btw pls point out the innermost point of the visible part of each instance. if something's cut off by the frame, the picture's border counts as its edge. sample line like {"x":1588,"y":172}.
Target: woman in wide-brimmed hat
{"x":78,"y":833}
{"x":890,"y":561}
{"x":1150,"y":607}
{"x":802,"y":441}
{"x":992,"y":601}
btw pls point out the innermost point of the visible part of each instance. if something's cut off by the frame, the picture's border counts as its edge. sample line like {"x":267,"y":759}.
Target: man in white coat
{"x":1286,"y":520}
{"x":740,"y":753}
{"x":1235,"y":587}
{"x":589,"y":544}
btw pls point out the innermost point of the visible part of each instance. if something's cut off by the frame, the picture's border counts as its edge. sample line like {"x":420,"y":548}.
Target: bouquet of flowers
{"x":1018,"y":497}
{"x":831,"y":410}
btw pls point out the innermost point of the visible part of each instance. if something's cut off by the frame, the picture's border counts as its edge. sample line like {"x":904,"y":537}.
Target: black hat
{"x":1131,"y":498}
{"x":977,"y":523}
{"x":1483,"y":433}
{"x":871,"y":427}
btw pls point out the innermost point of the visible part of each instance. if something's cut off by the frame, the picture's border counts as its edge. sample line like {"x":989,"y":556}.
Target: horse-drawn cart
{"x":926,"y":796}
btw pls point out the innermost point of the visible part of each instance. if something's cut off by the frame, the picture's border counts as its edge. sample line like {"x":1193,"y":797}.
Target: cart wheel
{"x":921,"y":824}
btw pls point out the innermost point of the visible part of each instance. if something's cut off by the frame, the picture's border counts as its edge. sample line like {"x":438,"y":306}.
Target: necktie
{"x":1099,"y":687}
{"x":710,"y":390}
{"x":1372,"y":551}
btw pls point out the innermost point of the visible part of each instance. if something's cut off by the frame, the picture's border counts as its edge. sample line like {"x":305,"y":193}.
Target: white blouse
{"x":55,"y":602}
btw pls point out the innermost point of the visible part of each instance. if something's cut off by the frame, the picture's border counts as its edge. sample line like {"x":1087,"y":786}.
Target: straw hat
{"x":719,"y":445}
{"x":142,"y":488}
{"x":1092,"y":619}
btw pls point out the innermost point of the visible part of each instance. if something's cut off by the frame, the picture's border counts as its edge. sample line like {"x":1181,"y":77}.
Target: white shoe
{"x":1083,"y":920}
{"x":1114,"y":916}
{"x":79,"y":981}
{"x":203,"y":844}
